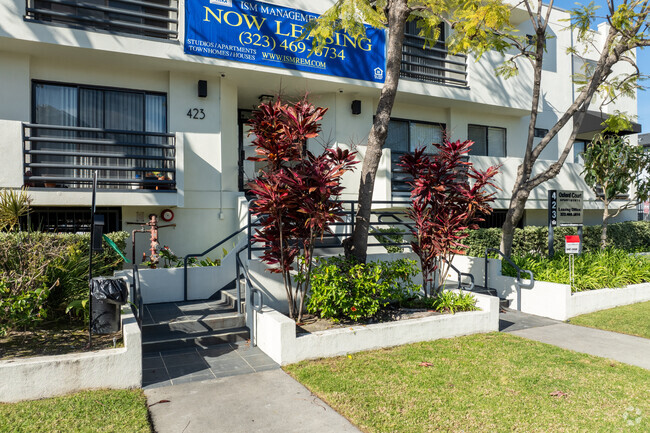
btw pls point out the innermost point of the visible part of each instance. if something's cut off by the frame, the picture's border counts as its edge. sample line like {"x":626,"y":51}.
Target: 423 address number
{"x":196,"y":113}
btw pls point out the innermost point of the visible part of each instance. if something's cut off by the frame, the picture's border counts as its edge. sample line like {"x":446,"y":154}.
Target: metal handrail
{"x":111,"y":154}
{"x":249,"y":283}
{"x":194,"y":255}
{"x":460,"y":276}
{"x":348,"y":216}
{"x":101,"y":130}
{"x":517,"y":268}
{"x":136,"y":295}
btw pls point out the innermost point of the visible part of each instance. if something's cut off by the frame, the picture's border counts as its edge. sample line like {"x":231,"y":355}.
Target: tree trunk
{"x":357,"y":245}
{"x":603,"y":234}
{"x":514,"y":215}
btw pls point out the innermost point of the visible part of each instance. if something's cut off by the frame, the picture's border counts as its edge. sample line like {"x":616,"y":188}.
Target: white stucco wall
{"x":206,"y":201}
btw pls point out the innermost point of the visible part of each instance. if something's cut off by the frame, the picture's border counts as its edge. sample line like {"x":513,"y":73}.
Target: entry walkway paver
{"x":269,"y":401}
{"x":174,"y":367}
{"x":606,"y":344}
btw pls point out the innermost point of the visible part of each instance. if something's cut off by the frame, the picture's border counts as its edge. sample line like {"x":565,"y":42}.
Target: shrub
{"x":30,"y":261}
{"x":445,"y":301}
{"x":342,"y":288}
{"x":389,"y":235}
{"x":444,"y":205}
{"x":13,"y":206}
{"x":631,"y":236}
{"x":593,"y":270}
{"x":23,"y":309}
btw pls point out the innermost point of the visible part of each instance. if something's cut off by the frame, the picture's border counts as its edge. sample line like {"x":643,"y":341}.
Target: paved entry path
{"x":611,"y":345}
{"x":269,"y":401}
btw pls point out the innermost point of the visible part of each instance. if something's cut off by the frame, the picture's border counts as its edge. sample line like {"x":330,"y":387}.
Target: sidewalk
{"x":611,"y":345}
{"x":269,"y":401}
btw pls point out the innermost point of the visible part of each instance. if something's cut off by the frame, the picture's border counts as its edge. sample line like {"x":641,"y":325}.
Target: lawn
{"x":88,"y":411}
{"x":481,"y":383}
{"x":631,"y":319}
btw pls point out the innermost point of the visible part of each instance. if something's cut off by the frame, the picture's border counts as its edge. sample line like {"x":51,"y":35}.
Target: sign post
{"x":552,"y":219}
{"x":572,"y":246}
{"x":565,"y":209}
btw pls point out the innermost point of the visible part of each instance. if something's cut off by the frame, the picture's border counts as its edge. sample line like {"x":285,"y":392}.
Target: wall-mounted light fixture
{"x":203,"y":89}
{"x":356,"y":107}
{"x":265,"y":99}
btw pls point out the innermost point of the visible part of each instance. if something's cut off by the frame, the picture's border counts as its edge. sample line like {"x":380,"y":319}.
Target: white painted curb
{"x":49,"y":376}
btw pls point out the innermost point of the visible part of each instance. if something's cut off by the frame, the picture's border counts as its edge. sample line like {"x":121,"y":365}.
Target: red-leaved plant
{"x":296,"y":195}
{"x":448,"y":197}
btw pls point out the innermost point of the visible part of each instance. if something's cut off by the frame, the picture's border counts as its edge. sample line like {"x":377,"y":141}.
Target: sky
{"x":643,"y":61}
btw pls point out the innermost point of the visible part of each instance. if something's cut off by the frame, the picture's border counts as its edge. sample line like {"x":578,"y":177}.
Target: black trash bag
{"x":110,"y":290}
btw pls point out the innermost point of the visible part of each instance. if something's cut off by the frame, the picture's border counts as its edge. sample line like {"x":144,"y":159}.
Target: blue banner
{"x":266,"y":34}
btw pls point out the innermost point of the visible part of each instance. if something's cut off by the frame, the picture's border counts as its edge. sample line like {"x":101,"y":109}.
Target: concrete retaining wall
{"x":550,"y":299}
{"x":275,"y":333}
{"x":596,"y":300}
{"x":49,"y":376}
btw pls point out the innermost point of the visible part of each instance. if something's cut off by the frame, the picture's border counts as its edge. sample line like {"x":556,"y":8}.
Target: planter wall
{"x":166,"y":284}
{"x":276,"y":335}
{"x":596,"y":300}
{"x":550,"y":299}
{"x":49,"y":376}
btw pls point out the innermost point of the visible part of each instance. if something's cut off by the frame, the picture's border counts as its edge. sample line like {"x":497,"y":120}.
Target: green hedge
{"x":56,"y":263}
{"x":632,"y":236}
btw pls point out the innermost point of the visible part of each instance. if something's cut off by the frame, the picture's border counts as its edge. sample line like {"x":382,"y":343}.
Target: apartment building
{"x":155,"y":94}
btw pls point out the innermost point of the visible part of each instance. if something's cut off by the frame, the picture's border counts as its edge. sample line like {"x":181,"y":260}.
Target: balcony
{"x":432,"y":64}
{"x":65,"y":157}
{"x":153,"y":18}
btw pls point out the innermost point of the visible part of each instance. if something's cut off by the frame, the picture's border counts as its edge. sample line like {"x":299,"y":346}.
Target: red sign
{"x":572,"y":245}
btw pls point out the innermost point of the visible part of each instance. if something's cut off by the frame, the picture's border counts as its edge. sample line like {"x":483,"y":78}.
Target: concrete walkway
{"x":269,"y":401}
{"x":611,"y":345}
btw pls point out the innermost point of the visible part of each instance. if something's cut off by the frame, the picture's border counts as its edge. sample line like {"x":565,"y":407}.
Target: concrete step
{"x":199,"y":340}
{"x":187,"y":325}
{"x":178,"y":325}
{"x":503,"y":303}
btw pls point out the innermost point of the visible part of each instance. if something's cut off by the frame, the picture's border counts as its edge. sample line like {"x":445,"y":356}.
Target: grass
{"x":88,"y":411}
{"x":629,"y":319}
{"x":54,"y":339}
{"x":481,"y":383}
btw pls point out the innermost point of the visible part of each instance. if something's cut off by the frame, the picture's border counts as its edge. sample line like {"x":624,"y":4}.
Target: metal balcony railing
{"x":432,"y":64}
{"x":153,"y":18}
{"x":65,"y":156}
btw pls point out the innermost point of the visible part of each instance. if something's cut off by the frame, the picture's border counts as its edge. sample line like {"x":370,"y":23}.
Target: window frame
{"x":442,"y":126}
{"x":487,"y":143}
{"x":78,"y":86}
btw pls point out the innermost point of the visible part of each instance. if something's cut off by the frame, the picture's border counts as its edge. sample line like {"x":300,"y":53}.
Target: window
{"x":101,"y":129}
{"x":578,"y":150}
{"x":583,"y":67}
{"x":488,"y":140}
{"x":407,"y":135}
{"x":431,"y":64}
{"x":540,"y":132}
{"x":71,"y":219}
